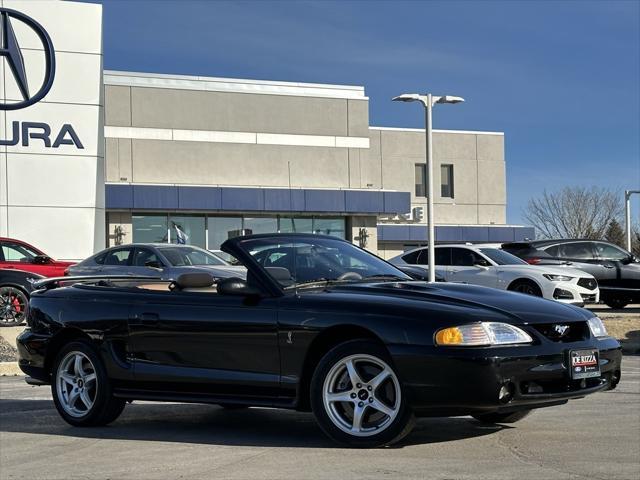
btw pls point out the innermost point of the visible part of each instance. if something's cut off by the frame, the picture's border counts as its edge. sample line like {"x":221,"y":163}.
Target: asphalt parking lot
{"x":597,"y":437}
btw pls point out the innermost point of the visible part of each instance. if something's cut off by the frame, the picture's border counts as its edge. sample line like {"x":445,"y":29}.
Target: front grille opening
{"x":564,"y":332}
{"x":561,"y":294}
{"x":557,"y":386}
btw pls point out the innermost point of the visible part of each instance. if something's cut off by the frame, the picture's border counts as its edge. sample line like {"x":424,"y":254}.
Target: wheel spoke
{"x":358,"y":414}
{"x":90,"y":378}
{"x":379,"y":379}
{"x":353,"y":374}
{"x":67,"y":378}
{"x":84,"y":396}
{"x":340,"y":397}
{"x":381,"y":407}
{"x":73,"y":397}
{"x":77,"y":366}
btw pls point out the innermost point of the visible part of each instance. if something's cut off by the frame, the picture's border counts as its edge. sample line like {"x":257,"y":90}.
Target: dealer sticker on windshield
{"x":584,"y":364}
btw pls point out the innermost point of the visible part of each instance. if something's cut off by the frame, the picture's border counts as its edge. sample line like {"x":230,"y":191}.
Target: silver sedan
{"x":155,"y":259}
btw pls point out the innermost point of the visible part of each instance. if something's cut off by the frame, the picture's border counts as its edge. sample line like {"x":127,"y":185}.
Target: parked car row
{"x":616,"y":270}
{"x":492,"y":267}
{"x":568,"y":271}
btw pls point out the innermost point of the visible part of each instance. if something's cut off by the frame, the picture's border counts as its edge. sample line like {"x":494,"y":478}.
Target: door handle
{"x":608,"y":266}
{"x":146,"y":318}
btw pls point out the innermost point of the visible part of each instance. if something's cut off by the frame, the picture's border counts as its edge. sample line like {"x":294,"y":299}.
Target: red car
{"x":18,"y":255}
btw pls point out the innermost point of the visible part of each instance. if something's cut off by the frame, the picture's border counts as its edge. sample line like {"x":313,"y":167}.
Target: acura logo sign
{"x":11,"y":51}
{"x":24,"y":132}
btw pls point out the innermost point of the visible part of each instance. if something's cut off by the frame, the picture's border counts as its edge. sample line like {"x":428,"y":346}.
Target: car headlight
{"x":480,"y":334}
{"x":557,"y":278}
{"x":597,"y":327}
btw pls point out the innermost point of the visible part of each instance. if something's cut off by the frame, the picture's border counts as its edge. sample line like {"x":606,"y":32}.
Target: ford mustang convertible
{"x":317,"y":325}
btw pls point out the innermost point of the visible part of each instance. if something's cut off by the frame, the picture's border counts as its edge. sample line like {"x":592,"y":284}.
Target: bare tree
{"x":574,"y":212}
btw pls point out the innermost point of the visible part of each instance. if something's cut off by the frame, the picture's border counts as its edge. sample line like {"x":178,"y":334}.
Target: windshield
{"x":501,"y":257}
{"x":296,"y":261}
{"x":180,"y":256}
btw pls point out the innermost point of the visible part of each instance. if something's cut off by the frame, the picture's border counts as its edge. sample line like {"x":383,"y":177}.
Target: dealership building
{"x":110,"y":157}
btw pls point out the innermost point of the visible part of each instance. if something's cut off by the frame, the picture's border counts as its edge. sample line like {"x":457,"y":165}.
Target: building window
{"x":257,"y":225}
{"x":446,"y":181}
{"x":329,"y":226}
{"x":187,"y":230}
{"x":149,"y":228}
{"x":421,"y":180}
{"x":295,"y":225}
{"x":221,"y":229}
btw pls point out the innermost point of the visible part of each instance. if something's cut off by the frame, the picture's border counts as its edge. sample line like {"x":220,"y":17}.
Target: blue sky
{"x":561,"y":79}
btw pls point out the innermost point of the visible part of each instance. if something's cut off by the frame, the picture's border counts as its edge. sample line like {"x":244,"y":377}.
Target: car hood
{"x":518,"y":307}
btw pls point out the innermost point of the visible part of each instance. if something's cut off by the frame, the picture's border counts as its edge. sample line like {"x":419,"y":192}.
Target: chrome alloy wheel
{"x":13,"y":306}
{"x":76,"y":384}
{"x":361,"y":395}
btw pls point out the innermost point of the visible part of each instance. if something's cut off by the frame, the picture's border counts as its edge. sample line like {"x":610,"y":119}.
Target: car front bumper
{"x":460,"y":381}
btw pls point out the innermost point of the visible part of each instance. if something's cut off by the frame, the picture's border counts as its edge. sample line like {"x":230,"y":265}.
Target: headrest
{"x":194,"y":280}
{"x":279,"y":273}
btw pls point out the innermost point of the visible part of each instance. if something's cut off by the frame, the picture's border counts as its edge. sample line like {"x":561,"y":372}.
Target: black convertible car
{"x":319,"y":324}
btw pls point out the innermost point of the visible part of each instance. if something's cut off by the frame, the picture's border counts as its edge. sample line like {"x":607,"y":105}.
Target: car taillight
{"x":533,"y":261}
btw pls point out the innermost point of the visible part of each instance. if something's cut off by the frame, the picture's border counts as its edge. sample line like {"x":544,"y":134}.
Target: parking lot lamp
{"x":627,"y":215}
{"x":428,"y":101}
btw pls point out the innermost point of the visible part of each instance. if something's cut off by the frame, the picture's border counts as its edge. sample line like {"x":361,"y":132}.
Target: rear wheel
{"x":501,"y":417}
{"x":14,"y":306}
{"x":357,"y":397}
{"x":616,"y":302}
{"x":526,"y":286}
{"x":81,"y":389}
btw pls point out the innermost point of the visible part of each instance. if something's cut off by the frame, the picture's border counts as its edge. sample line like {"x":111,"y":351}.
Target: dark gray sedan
{"x":155,"y":259}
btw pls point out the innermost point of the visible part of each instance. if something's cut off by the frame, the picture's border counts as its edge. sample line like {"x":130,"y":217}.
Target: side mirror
{"x":153,"y":264}
{"x":237,"y":286}
{"x":41,"y":259}
{"x":481,"y":264}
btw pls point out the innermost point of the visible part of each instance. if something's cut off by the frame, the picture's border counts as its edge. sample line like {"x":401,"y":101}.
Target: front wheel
{"x":526,"y":286}
{"x":357,"y":397}
{"x":80,"y":387}
{"x":14,"y":306}
{"x":512,"y":417}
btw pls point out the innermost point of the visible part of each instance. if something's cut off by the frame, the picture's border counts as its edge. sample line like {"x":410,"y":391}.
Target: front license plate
{"x":584,"y":364}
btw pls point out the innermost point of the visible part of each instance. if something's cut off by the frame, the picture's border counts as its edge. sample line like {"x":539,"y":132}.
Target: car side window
{"x":423,"y":257}
{"x":577,"y":250}
{"x":609,"y":252}
{"x":14,"y":252}
{"x":461,"y":257}
{"x":553,"y":251}
{"x":412,"y":257}
{"x":443,"y":256}
{"x":142,"y":256}
{"x":118,"y":257}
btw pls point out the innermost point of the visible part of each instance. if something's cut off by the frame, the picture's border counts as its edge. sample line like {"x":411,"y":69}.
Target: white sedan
{"x":492,"y":267}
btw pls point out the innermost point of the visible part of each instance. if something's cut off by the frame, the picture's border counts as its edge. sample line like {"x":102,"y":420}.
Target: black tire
{"x":393,"y":430}
{"x":616,"y":302}
{"x":512,"y":417}
{"x":526,"y":286}
{"x":105,"y":408}
{"x":14,"y":306}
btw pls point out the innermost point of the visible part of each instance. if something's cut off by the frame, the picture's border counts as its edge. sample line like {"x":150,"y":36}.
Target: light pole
{"x":627,"y":215}
{"x":428,"y":101}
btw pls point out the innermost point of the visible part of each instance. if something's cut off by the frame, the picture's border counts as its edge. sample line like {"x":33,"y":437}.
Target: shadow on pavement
{"x":212,"y":425}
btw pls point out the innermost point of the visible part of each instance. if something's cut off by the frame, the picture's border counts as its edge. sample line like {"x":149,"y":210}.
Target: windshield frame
{"x":238,"y":247}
